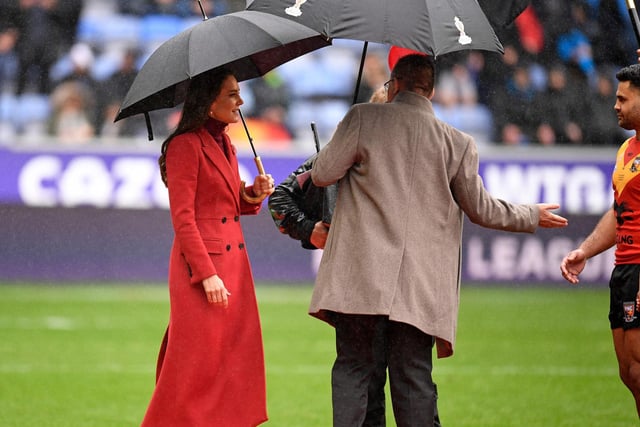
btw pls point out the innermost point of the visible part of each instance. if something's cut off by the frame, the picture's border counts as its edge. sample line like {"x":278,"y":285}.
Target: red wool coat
{"x":211,"y":365}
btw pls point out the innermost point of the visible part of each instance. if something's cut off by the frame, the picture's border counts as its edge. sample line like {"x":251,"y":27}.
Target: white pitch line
{"x":540,"y":370}
{"x":498,"y":371}
{"x":29,"y":368}
{"x":34,"y":323}
{"x":311,"y":370}
{"x":59,"y":323}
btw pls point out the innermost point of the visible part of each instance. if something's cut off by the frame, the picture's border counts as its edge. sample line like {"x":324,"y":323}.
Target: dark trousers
{"x":366,"y":346}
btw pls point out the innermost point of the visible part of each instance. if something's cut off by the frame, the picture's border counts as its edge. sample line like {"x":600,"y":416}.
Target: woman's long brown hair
{"x":203,"y":90}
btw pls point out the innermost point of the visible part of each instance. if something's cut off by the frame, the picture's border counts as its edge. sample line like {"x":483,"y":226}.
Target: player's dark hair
{"x":630,"y":74}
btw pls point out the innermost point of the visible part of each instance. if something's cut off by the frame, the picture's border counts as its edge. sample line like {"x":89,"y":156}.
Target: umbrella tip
{"x":204,"y":15}
{"x":147,"y":119}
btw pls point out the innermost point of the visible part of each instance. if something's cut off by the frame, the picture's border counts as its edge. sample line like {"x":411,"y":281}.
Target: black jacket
{"x":296,"y":204}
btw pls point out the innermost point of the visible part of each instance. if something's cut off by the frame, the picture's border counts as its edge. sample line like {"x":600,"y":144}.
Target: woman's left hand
{"x":263,"y":185}
{"x":215,"y":291}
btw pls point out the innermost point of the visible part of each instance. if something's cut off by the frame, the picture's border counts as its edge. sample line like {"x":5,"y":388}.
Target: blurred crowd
{"x":66,"y":65}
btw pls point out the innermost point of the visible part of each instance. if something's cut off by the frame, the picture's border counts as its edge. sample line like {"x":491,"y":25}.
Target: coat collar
{"x":412,"y":98}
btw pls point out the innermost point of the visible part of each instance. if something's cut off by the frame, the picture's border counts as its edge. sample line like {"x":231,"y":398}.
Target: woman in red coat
{"x":211,"y":366}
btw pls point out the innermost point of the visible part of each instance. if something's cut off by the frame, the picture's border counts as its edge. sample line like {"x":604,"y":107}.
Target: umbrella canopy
{"x":435,"y":27}
{"x":503,"y":12}
{"x":248,"y":42}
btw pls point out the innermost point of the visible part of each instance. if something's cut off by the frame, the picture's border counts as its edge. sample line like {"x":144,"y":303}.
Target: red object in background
{"x":530,"y":31}
{"x":397,"y":52}
{"x":265,"y":134}
{"x":272,"y":136}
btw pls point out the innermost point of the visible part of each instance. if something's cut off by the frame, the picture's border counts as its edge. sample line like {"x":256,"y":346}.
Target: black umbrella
{"x":248,"y":42}
{"x":435,"y":27}
{"x":431,"y":26}
{"x":501,"y":13}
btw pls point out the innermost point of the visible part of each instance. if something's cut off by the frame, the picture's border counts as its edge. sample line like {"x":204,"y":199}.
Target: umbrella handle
{"x":243,"y":193}
{"x":258,"y":162}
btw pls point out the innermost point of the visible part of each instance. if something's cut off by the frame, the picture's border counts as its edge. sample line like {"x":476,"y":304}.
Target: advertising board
{"x":102,"y":214}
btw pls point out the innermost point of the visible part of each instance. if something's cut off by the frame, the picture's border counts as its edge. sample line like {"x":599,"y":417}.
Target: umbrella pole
{"x":635,"y":22}
{"x":330,"y":193}
{"x":258,"y":162}
{"x":315,"y":136}
{"x":362,"y":58}
{"x":204,"y":15}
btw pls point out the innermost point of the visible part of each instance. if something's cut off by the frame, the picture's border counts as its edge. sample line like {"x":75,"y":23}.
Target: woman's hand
{"x":216,"y":292}
{"x":263,"y":185}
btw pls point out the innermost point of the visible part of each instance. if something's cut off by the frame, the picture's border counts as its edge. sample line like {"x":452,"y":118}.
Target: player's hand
{"x":572,"y":265}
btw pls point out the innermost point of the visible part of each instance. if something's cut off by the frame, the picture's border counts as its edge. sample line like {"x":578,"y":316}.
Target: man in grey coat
{"x":392,"y":257}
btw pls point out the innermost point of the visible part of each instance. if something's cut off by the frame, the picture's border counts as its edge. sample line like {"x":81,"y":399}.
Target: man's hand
{"x":319,"y":235}
{"x":548,"y":219}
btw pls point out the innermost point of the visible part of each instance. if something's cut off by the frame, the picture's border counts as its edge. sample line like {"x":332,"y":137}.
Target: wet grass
{"x":85,"y":356}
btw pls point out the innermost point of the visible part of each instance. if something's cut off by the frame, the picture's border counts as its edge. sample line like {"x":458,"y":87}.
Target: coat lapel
{"x":228,"y":167}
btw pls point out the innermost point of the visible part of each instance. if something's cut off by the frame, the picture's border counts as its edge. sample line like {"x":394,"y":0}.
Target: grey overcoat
{"x":394,"y":247}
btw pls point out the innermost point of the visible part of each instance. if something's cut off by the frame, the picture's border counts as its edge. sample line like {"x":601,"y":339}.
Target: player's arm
{"x":602,"y":237}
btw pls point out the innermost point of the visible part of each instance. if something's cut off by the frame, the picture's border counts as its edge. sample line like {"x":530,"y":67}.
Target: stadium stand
{"x":574,"y":34}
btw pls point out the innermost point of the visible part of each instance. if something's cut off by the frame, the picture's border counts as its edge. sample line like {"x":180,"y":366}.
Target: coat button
{"x":228,"y":247}
{"x":241,"y":246}
{"x":236,"y":218}
{"x":224,"y":219}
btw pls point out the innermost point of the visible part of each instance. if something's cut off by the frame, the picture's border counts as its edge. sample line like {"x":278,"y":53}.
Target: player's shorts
{"x":623,"y":287}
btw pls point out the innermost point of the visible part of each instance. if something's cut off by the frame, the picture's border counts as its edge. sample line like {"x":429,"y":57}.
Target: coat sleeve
{"x":480,"y":206}
{"x":287,"y":203}
{"x":335,"y":159}
{"x":183,"y":163}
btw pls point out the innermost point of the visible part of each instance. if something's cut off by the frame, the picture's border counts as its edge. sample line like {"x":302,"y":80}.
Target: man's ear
{"x":433,"y":92}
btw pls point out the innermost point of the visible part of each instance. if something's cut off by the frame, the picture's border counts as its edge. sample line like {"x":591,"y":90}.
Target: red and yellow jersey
{"x":626,"y":190}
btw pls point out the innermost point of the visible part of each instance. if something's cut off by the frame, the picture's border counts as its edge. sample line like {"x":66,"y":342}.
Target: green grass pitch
{"x":84,"y":356}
